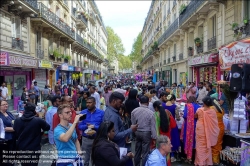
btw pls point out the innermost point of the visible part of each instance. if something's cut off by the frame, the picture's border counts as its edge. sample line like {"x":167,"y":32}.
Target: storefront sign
{"x":65,"y":67}
{"x":4,"y":58}
{"x":45,"y":64}
{"x":209,"y":58}
{"x":20,"y":61}
{"x":88,"y":71}
{"x":78,"y":69}
{"x":236,"y":52}
{"x":71,"y":68}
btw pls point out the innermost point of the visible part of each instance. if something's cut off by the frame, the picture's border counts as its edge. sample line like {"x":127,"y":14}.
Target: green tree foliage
{"x":135,"y":54}
{"x":125,"y":62}
{"x":115,"y":46}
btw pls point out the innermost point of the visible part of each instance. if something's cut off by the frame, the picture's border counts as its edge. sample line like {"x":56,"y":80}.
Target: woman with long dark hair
{"x":164,"y":122}
{"x":175,"y":137}
{"x":131,"y":103}
{"x":104,"y":151}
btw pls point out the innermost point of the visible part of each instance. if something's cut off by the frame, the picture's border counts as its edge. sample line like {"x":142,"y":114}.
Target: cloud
{"x":125,"y":17}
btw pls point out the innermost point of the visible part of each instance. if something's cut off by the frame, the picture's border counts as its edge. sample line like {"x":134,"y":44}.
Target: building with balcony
{"x":50,"y":41}
{"x":186,"y":45}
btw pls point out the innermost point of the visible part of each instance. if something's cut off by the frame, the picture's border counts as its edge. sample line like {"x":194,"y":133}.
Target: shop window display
{"x":208,"y":74}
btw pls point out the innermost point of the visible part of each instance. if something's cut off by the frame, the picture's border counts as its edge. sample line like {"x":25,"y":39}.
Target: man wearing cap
{"x":28,"y":133}
{"x":37,"y":91}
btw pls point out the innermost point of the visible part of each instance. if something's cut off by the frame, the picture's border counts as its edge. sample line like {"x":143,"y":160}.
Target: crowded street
{"x":124,"y":83}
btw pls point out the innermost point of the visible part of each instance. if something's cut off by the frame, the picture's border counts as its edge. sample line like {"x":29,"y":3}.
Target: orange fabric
{"x":56,"y":121}
{"x":207,"y":131}
{"x":218,"y":147}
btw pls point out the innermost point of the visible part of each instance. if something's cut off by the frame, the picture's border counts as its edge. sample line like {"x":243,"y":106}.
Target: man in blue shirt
{"x":158,"y":156}
{"x":56,"y":101}
{"x":112,"y":114}
{"x":94,"y":118}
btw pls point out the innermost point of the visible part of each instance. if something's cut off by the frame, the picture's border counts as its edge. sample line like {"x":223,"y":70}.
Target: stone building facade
{"x":181,"y":39}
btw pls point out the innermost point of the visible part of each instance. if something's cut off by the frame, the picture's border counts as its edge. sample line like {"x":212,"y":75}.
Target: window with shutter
{"x":39,"y":40}
{"x":13,"y":25}
{"x":50,"y":44}
{"x":18,"y":27}
{"x":65,"y":48}
{"x":58,"y":11}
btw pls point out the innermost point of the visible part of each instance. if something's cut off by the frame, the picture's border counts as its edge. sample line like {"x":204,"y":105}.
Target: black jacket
{"x":28,"y":131}
{"x":107,"y":154}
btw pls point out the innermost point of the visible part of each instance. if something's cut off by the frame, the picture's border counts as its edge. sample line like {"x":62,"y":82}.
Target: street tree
{"x":135,"y":54}
{"x":125,"y":62}
{"x":115,"y":48}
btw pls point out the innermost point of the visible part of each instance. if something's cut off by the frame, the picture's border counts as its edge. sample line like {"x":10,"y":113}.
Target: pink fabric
{"x":211,"y":127}
{"x":190,"y":131}
{"x":207,"y":132}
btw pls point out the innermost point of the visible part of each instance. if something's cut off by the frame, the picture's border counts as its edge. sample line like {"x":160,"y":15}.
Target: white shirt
{"x":202,"y":93}
{"x":97,"y":100}
{"x":2,"y":131}
{"x":122,"y":91}
{"x":4,"y":92}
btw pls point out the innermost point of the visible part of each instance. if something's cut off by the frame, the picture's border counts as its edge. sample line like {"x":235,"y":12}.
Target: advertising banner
{"x":234,"y":53}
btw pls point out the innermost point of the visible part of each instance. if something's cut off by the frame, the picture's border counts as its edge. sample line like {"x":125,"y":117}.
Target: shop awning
{"x":234,"y":53}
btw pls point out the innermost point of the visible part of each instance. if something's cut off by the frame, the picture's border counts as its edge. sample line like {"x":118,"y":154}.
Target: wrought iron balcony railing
{"x":55,"y":20}
{"x":200,"y":48}
{"x":174,"y":58}
{"x":79,"y":39}
{"x":73,"y":11}
{"x":83,"y":19}
{"x":190,"y":9}
{"x":172,"y":28}
{"x":181,"y":56}
{"x":17,"y":43}
{"x":39,"y":53}
{"x":211,"y":43}
{"x":32,"y":3}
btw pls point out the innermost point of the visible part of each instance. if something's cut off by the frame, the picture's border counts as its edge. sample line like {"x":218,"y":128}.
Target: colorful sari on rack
{"x":218,"y":147}
{"x":207,"y":131}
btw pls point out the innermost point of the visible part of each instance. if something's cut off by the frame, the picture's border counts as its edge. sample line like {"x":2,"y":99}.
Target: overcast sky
{"x":125,"y":17}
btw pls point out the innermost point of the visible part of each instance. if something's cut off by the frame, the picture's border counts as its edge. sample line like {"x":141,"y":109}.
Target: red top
{"x":172,"y":124}
{"x":56,"y":121}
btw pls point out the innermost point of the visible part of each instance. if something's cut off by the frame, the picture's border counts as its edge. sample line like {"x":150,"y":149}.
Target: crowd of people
{"x":91,"y":124}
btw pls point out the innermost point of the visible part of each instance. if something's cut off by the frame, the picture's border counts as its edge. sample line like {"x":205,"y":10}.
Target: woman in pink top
{"x":207,"y":132}
{"x":191,"y":90}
